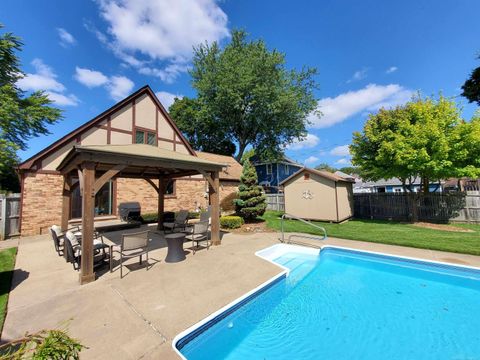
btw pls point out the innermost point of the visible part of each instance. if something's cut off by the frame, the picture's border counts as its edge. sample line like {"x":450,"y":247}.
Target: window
{"x":145,"y":137}
{"x":103,"y":201}
{"x":306,"y":176}
{"x":170,"y":188}
{"x":398,"y":190}
{"x":287,"y":169}
{"x":269,"y":169}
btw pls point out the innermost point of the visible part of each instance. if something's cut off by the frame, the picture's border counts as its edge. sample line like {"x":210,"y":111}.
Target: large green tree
{"x":245,"y":96}
{"x":22,"y":116}
{"x":425,"y":138}
{"x":471,"y":87}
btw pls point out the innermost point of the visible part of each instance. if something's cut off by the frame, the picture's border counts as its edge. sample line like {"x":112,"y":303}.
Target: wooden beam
{"x":102,"y":180}
{"x":214,"y":200}
{"x":88,"y":212}
{"x":207,"y":177}
{"x":161,"y":202}
{"x":150,"y":181}
{"x":66,"y":201}
{"x":80,"y":179}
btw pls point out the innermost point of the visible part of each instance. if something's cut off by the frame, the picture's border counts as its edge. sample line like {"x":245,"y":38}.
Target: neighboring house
{"x":271,"y":174}
{"x":392,"y":186}
{"x":463,"y":184}
{"x":140,"y":118}
{"x":318,"y":195}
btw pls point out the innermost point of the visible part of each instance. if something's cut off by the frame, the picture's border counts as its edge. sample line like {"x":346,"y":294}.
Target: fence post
{"x":3,"y":218}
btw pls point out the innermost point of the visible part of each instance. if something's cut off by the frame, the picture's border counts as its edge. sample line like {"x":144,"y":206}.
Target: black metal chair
{"x":73,"y":251}
{"x":133,"y":245}
{"x":58,"y":237}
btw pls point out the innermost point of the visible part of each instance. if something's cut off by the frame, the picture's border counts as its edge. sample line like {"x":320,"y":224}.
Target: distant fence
{"x":275,"y":202}
{"x":9,"y":215}
{"x":434,"y":207}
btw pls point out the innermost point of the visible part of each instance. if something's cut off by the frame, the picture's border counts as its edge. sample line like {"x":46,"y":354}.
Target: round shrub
{"x":231,"y":222}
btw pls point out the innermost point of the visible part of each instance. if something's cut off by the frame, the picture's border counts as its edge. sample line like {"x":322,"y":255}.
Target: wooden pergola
{"x":95,"y":165}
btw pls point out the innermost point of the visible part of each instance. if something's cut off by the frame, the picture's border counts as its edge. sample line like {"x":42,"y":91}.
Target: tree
{"x":471,"y":87}
{"x":425,"y":138}
{"x":326,"y":167}
{"x":21,"y":116}
{"x":251,"y":202}
{"x":245,"y":96}
{"x":350,"y":170}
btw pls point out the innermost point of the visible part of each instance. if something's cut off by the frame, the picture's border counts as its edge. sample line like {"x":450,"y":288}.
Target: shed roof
{"x":325,"y":174}
{"x":232,"y":171}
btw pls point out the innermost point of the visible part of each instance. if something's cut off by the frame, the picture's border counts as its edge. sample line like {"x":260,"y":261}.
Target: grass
{"x":387,"y":232}
{"x":7,"y":263}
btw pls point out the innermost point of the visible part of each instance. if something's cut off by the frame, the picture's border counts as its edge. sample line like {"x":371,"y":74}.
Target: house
{"x":138,"y":119}
{"x":272,"y":173}
{"x":392,"y":185}
{"x":318,"y":195}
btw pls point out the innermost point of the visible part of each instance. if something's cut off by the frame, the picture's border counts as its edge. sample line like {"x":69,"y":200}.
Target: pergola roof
{"x":138,"y":160}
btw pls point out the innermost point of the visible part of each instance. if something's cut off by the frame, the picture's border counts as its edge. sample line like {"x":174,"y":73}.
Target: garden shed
{"x":318,"y":195}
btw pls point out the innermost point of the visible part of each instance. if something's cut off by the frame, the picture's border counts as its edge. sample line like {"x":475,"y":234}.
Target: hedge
{"x":231,"y":222}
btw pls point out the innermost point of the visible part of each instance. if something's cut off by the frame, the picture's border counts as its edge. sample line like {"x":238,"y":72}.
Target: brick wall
{"x":41,"y":203}
{"x":42,"y":198}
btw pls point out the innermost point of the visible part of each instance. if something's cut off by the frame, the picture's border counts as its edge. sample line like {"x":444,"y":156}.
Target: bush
{"x":227,"y":204}
{"x":251,"y":202}
{"x":231,"y":222}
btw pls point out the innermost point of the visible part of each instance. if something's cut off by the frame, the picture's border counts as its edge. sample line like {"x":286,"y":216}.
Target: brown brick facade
{"x":42,"y":198}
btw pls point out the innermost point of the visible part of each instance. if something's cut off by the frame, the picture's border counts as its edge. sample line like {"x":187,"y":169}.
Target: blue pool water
{"x":352,"y":305}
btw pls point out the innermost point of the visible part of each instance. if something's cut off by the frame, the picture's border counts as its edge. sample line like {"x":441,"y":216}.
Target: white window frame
{"x":269,"y":169}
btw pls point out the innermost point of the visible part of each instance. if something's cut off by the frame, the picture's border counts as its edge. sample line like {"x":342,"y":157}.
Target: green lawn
{"x":7,"y":263}
{"x":387,"y":232}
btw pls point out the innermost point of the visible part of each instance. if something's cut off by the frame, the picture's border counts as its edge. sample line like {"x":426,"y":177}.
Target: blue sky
{"x":90,"y":54}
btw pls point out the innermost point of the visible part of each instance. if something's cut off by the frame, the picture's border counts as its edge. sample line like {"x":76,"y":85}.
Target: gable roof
{"x":233,"y":171}
{"x":325,"y":174}
{"x":30,"y":162}
{"x":283,"y":159}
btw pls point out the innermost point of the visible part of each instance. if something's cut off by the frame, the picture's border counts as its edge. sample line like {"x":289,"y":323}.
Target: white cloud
{"x":119,"y":87}
{"x":168,"y":74}
{"x":391,"y":69}
{"x":310,"y":141}
{"x":358,"y":75}
{"x":66,"y":39}
{"x":167,"y":98}
{"x":342,"y":150}
{"x":90,"y":78}
{"x":45,"y":79}
{"x":370,"y":98}
{"x":343,"y":161}
{"x":311,"y":159}
{"x":162,"y":31}
{"x":63,"y":100}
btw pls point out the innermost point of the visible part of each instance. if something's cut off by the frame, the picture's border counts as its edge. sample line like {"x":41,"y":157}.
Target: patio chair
{"x":58,"y":237}
{"x":198,"y":234}
{"x":180,"y":222}
{"x":133,"y":245}
{"x":73,"y":251}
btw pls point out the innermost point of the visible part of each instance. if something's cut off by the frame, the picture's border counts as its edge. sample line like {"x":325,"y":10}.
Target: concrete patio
{"x":138,"y":316}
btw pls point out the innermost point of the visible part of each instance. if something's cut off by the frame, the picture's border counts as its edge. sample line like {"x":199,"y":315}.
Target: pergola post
{"x":161,"y":202}
{"x":88,"y":212}
{"x":214,"y":201}
{"x":66,"y":199}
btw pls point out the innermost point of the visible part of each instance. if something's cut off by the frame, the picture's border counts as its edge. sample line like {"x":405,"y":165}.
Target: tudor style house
{"x":138,"y":119}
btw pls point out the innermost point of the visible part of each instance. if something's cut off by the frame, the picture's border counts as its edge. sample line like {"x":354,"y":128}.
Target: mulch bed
{"x":442,"y":227}
{"x":259,"y":227}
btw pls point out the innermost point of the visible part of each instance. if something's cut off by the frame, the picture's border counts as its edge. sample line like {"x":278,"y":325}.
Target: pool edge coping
{"x":274,"y":251}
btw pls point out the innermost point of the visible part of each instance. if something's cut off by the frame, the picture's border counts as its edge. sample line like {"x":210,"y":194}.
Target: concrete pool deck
{"x":138,"y":316}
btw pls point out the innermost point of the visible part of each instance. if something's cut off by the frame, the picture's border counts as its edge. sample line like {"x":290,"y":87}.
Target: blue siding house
{"x":270,"y":174}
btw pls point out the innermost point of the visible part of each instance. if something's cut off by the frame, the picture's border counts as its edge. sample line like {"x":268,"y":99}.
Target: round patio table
{"x":175,"y":247}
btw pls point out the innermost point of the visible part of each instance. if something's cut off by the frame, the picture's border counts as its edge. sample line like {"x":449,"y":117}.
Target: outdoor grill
{"x":129,"y":211}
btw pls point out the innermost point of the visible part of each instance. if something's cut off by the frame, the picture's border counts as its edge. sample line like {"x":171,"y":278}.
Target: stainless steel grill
{"x":129,"y":211}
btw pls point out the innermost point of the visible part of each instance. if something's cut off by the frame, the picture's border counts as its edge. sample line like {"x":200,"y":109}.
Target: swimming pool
{"x":346,"y":304}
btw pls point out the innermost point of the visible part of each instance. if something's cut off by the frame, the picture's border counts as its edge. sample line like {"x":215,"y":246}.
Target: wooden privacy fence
{"x":275,"y":202}
{"x":9,"y":215}
{"x":435,"y":207}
